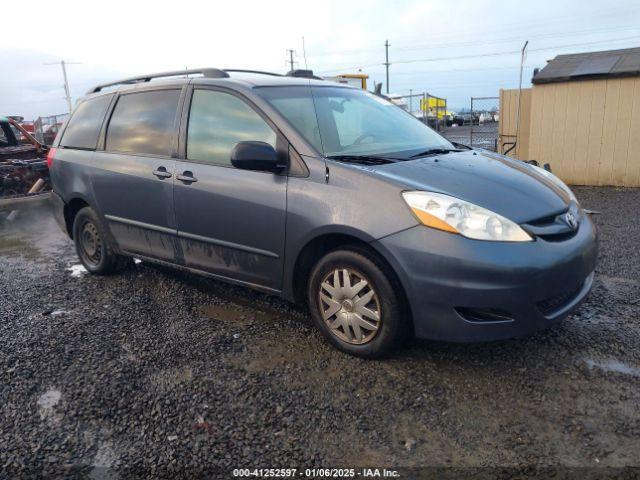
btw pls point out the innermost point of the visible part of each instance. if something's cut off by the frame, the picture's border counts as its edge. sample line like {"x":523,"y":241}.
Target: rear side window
{"x":217,"y":122}
{"x":85,"y":123}
{"x":143,"y":123}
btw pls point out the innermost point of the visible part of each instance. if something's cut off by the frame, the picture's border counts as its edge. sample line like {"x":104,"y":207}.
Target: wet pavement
{"x":151,"y":372}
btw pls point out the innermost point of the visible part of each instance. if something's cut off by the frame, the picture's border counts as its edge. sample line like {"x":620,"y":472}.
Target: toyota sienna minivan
{"x":323,"y":194}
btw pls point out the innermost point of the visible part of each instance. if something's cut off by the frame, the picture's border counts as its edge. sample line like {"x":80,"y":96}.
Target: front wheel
{"x":356,"y":303}
{"x":92,"y":245}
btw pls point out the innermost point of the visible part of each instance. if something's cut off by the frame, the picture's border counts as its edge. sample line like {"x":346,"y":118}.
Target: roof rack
{"x":206,"y":72}
{"x":260,"y":72}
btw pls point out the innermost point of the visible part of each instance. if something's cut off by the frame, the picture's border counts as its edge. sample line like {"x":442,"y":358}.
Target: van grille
{"x":553,"y":228}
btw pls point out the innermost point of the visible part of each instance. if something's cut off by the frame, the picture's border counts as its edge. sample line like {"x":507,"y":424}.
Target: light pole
{"x":67,"y":92}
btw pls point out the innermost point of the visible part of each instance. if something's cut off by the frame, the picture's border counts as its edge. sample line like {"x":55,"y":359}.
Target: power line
{"x":598,"y":15}
{"x":483,"y":55}
{"x":611,"y":40}
{"x":483,"y":69}
{"x":516,"y":38}
{"x":473,"y":39}
{"x":517,"y":51}
{"x":475,"y":42}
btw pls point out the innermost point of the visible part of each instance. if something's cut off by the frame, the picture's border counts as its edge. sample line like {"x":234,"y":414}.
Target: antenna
{"x":304,"y":54}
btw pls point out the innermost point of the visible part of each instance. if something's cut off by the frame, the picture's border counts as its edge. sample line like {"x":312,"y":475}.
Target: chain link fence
{"x":484,"y":119}
{"x":428,"y":108}
{"x":477,"y":126}
{"x":46,"y":128}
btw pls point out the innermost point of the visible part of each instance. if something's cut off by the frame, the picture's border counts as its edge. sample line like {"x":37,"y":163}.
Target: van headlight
{"x":453,"y":215}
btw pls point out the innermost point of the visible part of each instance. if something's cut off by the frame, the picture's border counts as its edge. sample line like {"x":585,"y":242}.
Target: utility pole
{"x":386,"y":64}
{"x":67,"y":93}
{"x":291,"y":52}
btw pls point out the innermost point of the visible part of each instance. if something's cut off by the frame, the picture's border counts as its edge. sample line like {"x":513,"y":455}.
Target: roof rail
{"x":206,"y":72}
{"x":260,"y":72}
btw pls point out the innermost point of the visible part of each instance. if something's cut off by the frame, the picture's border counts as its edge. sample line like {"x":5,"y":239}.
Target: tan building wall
{"x":508,"y":122}
{"x":589,"y":131}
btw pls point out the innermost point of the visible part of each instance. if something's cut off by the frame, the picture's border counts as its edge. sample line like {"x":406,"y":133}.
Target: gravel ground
{"x":151,"y":371}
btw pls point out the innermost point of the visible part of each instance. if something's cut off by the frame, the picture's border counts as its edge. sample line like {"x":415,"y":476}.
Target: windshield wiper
{"x":364,"y":159}
{"x":435,"y":151}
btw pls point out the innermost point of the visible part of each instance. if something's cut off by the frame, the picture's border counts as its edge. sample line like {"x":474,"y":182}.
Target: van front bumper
{"x":465,"y":290}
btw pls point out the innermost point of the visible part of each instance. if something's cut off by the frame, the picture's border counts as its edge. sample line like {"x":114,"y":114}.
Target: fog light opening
{"x":483,"y":315}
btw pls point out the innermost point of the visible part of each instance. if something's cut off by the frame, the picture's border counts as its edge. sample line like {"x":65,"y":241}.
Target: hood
{"x":514,"y":189}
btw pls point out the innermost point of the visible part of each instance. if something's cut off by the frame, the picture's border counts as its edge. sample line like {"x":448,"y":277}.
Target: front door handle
{"x":187,"y":177}
{"x":161,"y":173}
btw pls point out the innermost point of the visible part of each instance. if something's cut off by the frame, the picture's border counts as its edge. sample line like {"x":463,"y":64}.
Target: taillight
{"x":50,"y":155}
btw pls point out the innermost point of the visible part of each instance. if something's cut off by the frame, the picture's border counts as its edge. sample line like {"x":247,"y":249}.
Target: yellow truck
{"x":435,"y":107}
{"x":358,"y":80}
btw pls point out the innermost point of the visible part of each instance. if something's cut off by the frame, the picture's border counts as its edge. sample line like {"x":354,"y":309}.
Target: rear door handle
{"x":187,"y":177}
{"x":161,"y":173}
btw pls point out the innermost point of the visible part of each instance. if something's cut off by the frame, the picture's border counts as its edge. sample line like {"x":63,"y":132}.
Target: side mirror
{"x":258,"y":156}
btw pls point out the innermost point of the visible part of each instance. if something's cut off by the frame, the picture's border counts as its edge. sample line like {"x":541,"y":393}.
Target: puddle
{"x":47,"y":402}
{"x":234,"y":313}
{"x":9,"y":243}
{"x":34,"y":235}
{"x":77,"y":270}
{"x":102,"y":463}
{"x":172,"y":377}
{"x":613,"y":365}
{"x":12,"y":246}
{"x":269,"y":354}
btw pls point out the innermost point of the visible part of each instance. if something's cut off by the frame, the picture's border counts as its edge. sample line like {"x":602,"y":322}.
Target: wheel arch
{"x":71,"y":209}
{"x":327,"y":242}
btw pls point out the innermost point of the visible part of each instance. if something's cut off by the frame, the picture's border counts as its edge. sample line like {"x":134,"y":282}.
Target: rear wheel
{"x":356,"y":303}
{"x":92,"y":245}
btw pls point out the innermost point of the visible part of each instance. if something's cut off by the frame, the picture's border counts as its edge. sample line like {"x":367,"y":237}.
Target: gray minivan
{"x":323,"y":194}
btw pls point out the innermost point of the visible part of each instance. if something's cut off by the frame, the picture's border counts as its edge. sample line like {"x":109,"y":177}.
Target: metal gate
{"x":46,"y":128}
{"x":484,"y":117}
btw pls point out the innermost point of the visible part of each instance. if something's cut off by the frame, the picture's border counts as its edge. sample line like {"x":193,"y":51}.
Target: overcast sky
{"x":453,"y":49}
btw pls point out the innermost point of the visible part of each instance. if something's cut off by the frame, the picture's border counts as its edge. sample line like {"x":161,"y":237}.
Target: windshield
{"x":347,"y":121}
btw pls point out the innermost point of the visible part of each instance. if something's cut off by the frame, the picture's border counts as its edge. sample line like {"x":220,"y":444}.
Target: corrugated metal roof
{"x":577,"y":66}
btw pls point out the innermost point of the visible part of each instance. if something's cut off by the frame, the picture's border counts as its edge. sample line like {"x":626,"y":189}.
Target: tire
{"x":349,"y":333}
{"x":92,"y":245}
